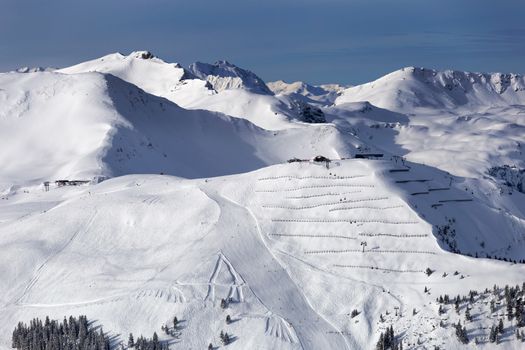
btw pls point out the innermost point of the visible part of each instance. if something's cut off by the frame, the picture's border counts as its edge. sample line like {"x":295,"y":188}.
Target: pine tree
{"x":131,"y":342}
{"x":175,"y":322}
{"x":493,"y":336}
{"x":500,"y":326}
{"x":464,"y":335}
{"x":467,"y":315}
{"x":441,"y":310}
{"x":226,"y":339}
{"x":381,"y":342}
{"x":461,"y":333}
{"x":228,"y":319}
{"x":510,"y":315}
{"x":155,"y":338}
{"x":387,"y":340}
{"x":492,"y":306}
{"x":519,"y":314}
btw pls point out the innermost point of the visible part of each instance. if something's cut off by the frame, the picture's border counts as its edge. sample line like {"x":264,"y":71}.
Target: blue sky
{"x":319,"y":41}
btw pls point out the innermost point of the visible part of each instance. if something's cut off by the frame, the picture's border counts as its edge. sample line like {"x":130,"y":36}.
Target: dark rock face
{"x":308,"y":113}
{"x":510,"y":176}
{"x":146,"y":55}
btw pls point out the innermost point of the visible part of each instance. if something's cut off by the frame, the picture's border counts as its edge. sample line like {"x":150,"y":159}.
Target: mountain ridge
{"x":223,"y":75}
{"x":412,"y":87}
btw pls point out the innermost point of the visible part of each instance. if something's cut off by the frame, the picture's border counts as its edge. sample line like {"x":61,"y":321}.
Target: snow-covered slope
{"x":307,"y":255}
{"x":323,"y":95}
{"x":284,"y":243}
{"x":464,"y":123}
{"x":223,"y":75}
{"x":150,"y":73}
{"x":79,"y":126}
{"x":222,"y":87}
{"x":411,"y":87}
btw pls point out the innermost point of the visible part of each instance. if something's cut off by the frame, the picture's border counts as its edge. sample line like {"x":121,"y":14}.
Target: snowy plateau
{"x":133,"y":191}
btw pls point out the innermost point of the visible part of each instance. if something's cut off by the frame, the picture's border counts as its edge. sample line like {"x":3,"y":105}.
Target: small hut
{"x":319,"y":159}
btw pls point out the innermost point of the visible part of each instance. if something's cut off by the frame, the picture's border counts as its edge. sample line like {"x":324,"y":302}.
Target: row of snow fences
{"x":371,"y":251}
{"x":313,"y":187}
{"x":350,"y":221}
{"x":312,"y":236}
{"x":324,"y":204}
{"x":377,"y":268}
{"x":293,"y":177}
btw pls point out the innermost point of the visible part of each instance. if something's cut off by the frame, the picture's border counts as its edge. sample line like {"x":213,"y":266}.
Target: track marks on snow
{"x":277,"y":327}
{"x":52,"y":256}
{"x":269,"y":282}
{"x":312,"y":236}
{"x":224,"y":266}
{"x":172,"y":295}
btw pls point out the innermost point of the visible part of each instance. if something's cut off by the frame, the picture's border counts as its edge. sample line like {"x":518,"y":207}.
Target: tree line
{"x":70,"y":334}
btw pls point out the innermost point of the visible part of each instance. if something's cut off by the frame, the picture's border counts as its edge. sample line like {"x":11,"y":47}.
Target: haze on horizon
{"x":327,"y":41}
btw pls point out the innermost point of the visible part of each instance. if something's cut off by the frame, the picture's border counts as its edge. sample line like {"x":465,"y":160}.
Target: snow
{"x":419,"y":87}
{"x":230,"y":218}
{"x":119,"y":249}
{"x":152,"y":74}
{"x":82,"y":126}
{"x":323,"y":95}
{"x":222,"y":87}
{"x":460,"y":122}
{"x":223,"y":75}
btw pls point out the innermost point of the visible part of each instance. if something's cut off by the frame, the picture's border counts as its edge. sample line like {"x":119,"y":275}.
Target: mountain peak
{"x":223,"y":75}
{"x":224,"y":63}
{"x":145,"y":55}
{"x":411,"y":87}
{"x":316,"y":94}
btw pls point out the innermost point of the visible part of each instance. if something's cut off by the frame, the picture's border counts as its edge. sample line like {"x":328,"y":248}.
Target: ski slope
{"x":283,"y":242}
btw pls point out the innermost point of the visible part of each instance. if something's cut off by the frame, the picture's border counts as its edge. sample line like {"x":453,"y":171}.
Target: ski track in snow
{"x":283,"y":296}
{"x":53,"y":255}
